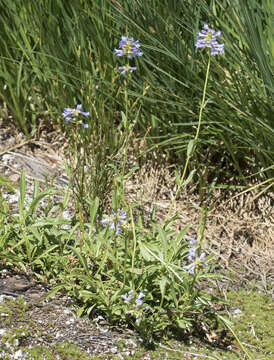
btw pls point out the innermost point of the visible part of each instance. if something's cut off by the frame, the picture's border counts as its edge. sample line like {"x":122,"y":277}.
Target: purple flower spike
{"x":126,"y":68}
{"x":120,"y":216}
{"x":193,"y":242}
{"x":207,"y":38}
{"x":196,"y":261}
{"x":128,"y":47}
{"x":192,"y":253}
{"x":115,"y":221}
{"x":85,"y":126}
{"x":69,"y":113}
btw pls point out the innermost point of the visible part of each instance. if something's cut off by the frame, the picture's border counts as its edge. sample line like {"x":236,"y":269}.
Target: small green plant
{"x":6,"y":184}
{"x":35,"y":237}
{"x":148,"y":279}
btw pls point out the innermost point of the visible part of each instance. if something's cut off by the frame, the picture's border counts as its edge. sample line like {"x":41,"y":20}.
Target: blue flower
{"x":115,"y":221}
{"x":139,"y":300}
{"x":207,"y":38}
{"x":192,"y":253}
{"x":193,"y":242}
{"x":128,"y":47}
{"x":126,"y":68}
{"x":192,"y":250}
{"x":135,"y":310}
{"x":69,"y":114}
{"x":128,"y":296}
{"x":120,"y":216}
{"x":198,"y":262}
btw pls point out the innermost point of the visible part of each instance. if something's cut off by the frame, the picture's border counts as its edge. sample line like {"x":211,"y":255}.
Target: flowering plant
{"x":128,"y":47}
{"x":115,"y":221}
{"x":70,"y":114}
{"x":207,"y":38}
{"x":196,"y":260}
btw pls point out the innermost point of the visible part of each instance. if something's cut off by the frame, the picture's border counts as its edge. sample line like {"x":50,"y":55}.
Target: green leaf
{"x":35,"y":189}
{"x":189,"y":178}
{"x":136,"y":271}
{"x":181,"y":234}
{"x":191,"y":148}
{"x":124,"y":119}
{"x":35,"y":202}
{"x":54,"y":290}
{"x":145,"y":254}
{"x":182,"y":323}
{"x":94,"y":205}
{"x":162,"y":283}
{"x":45,"y":254}
{"x":22,"y":194}
{"x":162,"y":250}
{"x":80,"y":257}
{"x":51,"y":221}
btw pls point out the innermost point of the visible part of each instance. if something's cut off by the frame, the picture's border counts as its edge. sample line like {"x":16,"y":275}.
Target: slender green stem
{"x":127,"y":131}
{"x":195,"y":140}
{"x":125,"y":258}
{"x":203,"y":219}
{"x":225,"y":322}
{"x":134,"y":240}
{"x":203,"y":100}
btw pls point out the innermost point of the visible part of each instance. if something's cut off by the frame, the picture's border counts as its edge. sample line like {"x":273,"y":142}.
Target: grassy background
{"x":55,"y":54}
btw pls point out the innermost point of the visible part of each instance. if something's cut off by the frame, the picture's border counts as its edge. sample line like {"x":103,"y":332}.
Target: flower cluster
{"x":70,"y":114}
{"x":128,"y":296}
{"x":129,"y":48}
{"x":195,"y":259}
{"x":115,"y":221}
{"x":207,"y":38}
{"x":138,"y":302}
{"x":126,"y":68}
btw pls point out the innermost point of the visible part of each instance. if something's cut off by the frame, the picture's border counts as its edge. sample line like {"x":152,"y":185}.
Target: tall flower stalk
{"x":77,"y":163}
{"x":129,"y":48}
{"x":207,"y":38}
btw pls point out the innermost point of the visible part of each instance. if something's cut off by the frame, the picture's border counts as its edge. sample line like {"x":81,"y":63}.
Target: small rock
{"x":237,"y":312}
